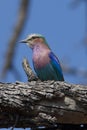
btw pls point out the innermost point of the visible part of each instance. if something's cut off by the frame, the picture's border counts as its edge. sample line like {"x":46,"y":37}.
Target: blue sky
{"x":63,"y":27}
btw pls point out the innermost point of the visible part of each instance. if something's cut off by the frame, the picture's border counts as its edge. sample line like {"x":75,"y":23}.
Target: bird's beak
{"x":23,"y":41}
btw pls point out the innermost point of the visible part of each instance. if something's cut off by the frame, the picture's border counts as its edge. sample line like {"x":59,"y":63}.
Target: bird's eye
{"x":34,"y":38}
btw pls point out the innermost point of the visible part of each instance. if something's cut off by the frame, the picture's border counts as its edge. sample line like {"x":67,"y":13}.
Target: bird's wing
{"x":51,"y":71}
{"x":56,"y":66}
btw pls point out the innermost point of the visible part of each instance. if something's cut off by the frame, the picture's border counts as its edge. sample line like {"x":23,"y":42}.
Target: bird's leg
{"x":30,"y":74}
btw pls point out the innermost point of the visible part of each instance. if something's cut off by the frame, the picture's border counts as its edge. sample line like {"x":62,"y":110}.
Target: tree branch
{"x":39,"y":103}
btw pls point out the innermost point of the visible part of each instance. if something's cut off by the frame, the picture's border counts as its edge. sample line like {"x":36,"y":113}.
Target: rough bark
{"x":39,"y":103}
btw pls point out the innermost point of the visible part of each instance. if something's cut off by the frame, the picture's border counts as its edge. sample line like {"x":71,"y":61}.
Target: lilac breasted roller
{"x":46,"y":64}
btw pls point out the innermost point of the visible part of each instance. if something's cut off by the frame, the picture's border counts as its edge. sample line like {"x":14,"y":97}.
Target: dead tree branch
{"x":39,"y":103}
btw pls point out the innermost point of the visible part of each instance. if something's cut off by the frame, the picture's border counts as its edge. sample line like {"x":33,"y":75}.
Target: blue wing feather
{"x":51,"y":71}
{"x":56,"y":66}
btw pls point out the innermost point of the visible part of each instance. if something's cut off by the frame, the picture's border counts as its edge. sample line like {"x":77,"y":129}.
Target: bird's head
{"x":33,"y":40}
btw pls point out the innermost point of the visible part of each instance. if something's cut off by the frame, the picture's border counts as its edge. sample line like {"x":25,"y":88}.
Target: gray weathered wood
{"x":39,"y":103}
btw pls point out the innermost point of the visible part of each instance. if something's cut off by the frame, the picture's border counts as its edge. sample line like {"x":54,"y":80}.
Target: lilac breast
{"x":40,"y":56}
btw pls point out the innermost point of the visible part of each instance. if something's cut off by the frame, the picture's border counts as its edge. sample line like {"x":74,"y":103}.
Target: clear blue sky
{"x":63,"y":27}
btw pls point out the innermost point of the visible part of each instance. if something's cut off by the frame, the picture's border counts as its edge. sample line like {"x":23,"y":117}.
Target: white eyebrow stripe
{"x":34,"y":35}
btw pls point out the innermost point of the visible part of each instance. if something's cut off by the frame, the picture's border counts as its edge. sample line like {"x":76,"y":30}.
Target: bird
{"x":45,"y":62}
